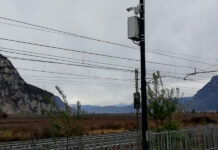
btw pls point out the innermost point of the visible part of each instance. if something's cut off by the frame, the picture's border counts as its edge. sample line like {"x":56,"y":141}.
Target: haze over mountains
{"x":115,"y":109}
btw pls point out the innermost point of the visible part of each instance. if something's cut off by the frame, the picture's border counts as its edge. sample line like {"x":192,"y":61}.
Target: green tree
{"x":78,"y":112}
{"x":65,"y":122}
{"x":162,"y":102}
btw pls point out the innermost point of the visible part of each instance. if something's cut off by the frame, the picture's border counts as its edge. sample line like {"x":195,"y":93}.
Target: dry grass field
{"x":24,"y":128}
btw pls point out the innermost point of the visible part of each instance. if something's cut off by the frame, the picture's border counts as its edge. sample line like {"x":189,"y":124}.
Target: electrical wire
{"x":67,"y":49}
{"x":176,"y":57}
{"x":176,"y":53}
{"x":46,"y":29}
{"x":71,"y":64}
{"x":62,"y":58}
{"x":66,"y":33}
{"x":70,"y":81}
{"x":78,"y":75}
{"x":104,"y":55}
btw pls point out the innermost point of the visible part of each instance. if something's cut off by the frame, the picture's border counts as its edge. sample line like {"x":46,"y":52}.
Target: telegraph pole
{"x":143,"y":76}
{"x":137,"y":103}
{"x":136,"y":32}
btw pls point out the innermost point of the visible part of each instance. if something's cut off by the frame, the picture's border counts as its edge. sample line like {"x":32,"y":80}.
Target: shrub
{"x":163,"y":102}
{"x":171,"y":125}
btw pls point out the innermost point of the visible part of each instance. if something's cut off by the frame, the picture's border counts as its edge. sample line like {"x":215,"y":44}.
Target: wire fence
{"x":195,"y":138}
{"x":117,"y":141}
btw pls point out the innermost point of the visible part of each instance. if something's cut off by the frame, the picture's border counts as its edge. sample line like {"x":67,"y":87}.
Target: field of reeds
{"x":27,"y":128}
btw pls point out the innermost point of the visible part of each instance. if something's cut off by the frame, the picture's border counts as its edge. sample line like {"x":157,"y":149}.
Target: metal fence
{"x":195,"y":138}
{"x":118,"y":141}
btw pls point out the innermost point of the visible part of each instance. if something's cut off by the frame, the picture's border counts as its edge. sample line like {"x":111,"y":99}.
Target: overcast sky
{"x":184,"y":29}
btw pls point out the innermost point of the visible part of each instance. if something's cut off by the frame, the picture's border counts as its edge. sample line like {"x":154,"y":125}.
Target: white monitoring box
{"x":133,"y":28}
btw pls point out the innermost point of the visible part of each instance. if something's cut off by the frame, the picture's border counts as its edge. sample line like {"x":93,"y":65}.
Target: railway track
{"x":116,"y":141}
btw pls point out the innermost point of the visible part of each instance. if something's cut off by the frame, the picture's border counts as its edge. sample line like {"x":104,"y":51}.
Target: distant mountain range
{"x":113,"y":109}
{"x":206,"y":99}
{"x":120,"y":108}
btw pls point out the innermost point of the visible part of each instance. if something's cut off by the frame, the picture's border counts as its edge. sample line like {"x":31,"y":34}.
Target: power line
{"x":43,"y":78}
{"x":172,"y":73}
{"x":65,"y":33}
{"x":130,"y":80}
{"x":89,"y":66}
{"x":132,"y":47}
{"x":67,"y":49}
{"x":53,"y":77}
{"x":194,"y":56}
{"x":104,"y":55}
{"x":79,"y":75}
{"x":46,"y":29}
{"x":176,"y":57}
{"x":52,"y":62}
{"x":70,"y":81}
{"x":84,"y":60}
{"x":76,"y":84}
{"x":205,"y":72}
{"x":172,"y":65}
{"x":22,"y":52}
{"x":71,"y":64}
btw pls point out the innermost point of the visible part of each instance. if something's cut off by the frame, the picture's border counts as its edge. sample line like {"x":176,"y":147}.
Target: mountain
{"x":59,"y":102}
{"x":120,"y":108}
{"x":206,"y":99}
{"x":115,"y":109}
{"x":121,"y":105}
{"x":19,"y":97}
{"x":185,"y":100}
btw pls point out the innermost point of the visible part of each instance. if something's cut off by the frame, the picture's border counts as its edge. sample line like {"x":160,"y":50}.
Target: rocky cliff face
{"x":206,"y":99}
{"x":18,"y":97}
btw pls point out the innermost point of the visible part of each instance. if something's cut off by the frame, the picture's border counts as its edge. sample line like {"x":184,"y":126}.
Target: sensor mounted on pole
{"x":133,"y":28}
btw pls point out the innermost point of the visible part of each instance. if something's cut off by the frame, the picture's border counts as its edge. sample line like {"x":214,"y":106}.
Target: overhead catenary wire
{"x":67,"y":49}
{"x":175,"y":65}
{"x":21,"y":52}
{"x":89,"y":66}
{"x":93,"y":84}
{"x":62,"y":58}
{"x":54,"y":77}
{"x":202,"y":72}
{"x":164,"y":76}
{"x":18,"y":51}
{"x":67,"y":33}
{"x":96,"y":77}
{"x":152,"y":62}
{"x":78,"y":75}
{"x":176,"y":57}
{"x":71,"y":81}
{"x":47,"y":29}
{"x":176,"y":77}
{"x":181,"y":54}
{"x":71,"y":64}
{"x":76,"y":84}
{"x":103,"y":55}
